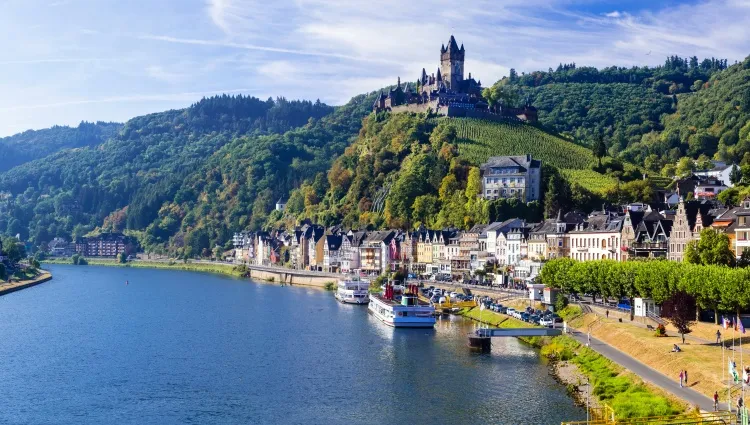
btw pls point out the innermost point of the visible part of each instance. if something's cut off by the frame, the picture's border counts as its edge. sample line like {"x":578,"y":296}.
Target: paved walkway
{"x":670,"y":385}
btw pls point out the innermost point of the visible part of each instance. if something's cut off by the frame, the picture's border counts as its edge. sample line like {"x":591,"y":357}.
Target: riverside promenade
{"x":8,"y":287}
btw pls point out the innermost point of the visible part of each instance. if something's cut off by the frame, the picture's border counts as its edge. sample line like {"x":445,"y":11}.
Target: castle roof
{"x":452,"y":46}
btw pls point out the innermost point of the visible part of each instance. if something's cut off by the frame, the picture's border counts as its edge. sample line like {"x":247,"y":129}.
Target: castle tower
{"x":452,"y":63}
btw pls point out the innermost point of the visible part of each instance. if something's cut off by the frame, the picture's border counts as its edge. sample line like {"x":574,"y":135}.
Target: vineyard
{"x":481,"y":139}
{"x":591,"y":180}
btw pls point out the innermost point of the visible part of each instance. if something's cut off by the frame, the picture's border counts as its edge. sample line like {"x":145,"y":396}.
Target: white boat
{"x":401,"y":310}
{"x":353,"y":291}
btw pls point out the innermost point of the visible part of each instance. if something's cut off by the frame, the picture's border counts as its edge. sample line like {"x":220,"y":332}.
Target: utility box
{"x":645,"y":307}
{"x":550,"y":296}
{"x":535,"y":291}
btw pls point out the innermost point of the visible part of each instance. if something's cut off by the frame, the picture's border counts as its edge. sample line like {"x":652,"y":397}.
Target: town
{"x":513,"y":250}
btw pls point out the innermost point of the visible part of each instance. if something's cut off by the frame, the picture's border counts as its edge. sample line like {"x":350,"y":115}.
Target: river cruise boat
{"x":402,"y":309}
{"x":353,"y":291}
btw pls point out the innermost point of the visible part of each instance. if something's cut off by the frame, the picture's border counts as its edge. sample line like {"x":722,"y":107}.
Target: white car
{"x":454,"y":295}
{"x":510,"y":312}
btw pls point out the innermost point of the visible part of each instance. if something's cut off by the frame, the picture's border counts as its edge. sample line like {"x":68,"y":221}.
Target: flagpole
{"x":742,"y":365}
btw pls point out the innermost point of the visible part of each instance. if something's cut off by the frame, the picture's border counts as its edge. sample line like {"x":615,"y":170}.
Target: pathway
{"x":670,"y":385}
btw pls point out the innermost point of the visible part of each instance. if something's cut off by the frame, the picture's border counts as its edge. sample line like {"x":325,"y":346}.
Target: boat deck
{"x":394,"y":303}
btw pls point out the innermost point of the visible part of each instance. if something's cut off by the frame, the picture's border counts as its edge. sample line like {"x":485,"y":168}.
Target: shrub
{"x":556,"y":351}
{"x":661,"y":331}
{"x":330,"y":286}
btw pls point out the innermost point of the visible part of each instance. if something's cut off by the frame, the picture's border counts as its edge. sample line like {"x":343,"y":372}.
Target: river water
{"x":175,"y":347}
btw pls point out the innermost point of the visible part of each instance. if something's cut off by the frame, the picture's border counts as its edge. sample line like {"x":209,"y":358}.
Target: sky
{"x":66,"y":61}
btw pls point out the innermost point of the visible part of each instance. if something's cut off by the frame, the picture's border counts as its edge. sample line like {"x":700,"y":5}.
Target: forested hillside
{"x":36,"y":144}
{"x":405,"y":170}
{"x":686,"y":108}
{"x":164,"y":173}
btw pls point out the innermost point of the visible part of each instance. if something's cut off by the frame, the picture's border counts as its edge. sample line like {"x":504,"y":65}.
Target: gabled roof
{"x":521,"y":161}
{"x":334,"y":242}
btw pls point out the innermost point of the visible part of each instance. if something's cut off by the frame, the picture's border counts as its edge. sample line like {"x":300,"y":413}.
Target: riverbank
{"x":575,"y":366}
{"x":225,"y":269}
{"x":8,"y":287}
{"x":267,"y":274}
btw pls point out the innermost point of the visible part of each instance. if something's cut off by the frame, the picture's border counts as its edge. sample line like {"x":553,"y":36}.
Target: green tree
{"x":685,"y":167}
{"x":122,"y":258}
{"x":14,"y":250}
{"x":599,"y":150}
{"x":425,"y":209}
{"x":735,"y":175}
{"x":711,"y":249}
{"x":558,"y":196}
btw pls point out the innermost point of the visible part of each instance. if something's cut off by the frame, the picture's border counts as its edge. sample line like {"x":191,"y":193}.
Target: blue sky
{"x":63,"y":61}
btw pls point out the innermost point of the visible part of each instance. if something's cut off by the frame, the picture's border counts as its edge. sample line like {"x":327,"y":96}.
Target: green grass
{"x":628,"y":398}
{"x":590,"y":180}
{"x":481,"y":139}
{"x":225,"y":269}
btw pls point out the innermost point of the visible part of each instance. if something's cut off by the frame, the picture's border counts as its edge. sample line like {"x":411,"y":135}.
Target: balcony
{"x":649,"y":246}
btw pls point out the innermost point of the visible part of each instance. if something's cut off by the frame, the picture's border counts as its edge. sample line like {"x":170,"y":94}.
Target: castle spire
{"x":399,"y":81}
{"x":452,"y":45}
{"x":439,"y":78}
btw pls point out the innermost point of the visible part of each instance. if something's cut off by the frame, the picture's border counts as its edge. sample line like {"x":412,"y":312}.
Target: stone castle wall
{"x":452,"y":111}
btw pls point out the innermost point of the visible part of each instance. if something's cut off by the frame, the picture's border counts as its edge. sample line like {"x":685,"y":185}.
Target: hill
{"x":405,"y":169}
{"x":36,"y":144}
{"x":166,"y":175}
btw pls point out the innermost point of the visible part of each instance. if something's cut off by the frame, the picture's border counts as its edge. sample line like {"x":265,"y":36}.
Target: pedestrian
{"x":686,"y":379}
{"x":716,"y":401}
{"x":681,"y":376}
{"x":718,"y":337}
{"x":739,"y":404}
{"x":607,"y":314}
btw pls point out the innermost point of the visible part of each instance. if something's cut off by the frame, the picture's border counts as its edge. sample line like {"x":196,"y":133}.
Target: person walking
{"x":607,"y":314}
{"x":686,"y":378}
{"x":681,"y":377}
{"x":716,"y":401}
{"x":718,"y":337}
{"x":739,"y":404}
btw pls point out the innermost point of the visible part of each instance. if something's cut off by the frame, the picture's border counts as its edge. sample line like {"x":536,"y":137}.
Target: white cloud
{"x":332,"y":49}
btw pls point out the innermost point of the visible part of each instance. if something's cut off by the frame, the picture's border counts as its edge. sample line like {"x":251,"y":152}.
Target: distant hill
{"x":203,"y":171}
{"x":37,"y":144}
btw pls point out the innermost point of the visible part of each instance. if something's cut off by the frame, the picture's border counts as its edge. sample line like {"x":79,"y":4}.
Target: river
{"x":182,"y":347}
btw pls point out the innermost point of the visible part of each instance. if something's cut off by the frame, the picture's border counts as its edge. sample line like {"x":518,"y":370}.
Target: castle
{"x":447,"y":92}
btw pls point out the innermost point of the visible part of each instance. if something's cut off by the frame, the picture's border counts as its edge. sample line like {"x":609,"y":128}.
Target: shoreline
{"x":576,"y":366}
{"x":7,"y":288}
{"x":280,"y":276}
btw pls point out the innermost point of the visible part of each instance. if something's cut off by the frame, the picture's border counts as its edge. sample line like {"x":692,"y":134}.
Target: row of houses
{"x":618,"y":234}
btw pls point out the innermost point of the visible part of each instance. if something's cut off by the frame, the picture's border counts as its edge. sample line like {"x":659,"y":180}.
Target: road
{"x":668,"y":384}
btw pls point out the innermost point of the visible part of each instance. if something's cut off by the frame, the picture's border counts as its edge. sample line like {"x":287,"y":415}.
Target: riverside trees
{"x":714,"y":287}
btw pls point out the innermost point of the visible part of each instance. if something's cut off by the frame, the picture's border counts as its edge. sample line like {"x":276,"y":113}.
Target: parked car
{"x":510,"y":311}
{"x":525,"y":317}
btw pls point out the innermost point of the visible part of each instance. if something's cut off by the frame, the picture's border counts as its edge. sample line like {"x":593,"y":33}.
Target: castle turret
{"x":452,"y":63}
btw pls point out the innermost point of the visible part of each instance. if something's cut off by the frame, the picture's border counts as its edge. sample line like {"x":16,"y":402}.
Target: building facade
{"x":505,"y":177}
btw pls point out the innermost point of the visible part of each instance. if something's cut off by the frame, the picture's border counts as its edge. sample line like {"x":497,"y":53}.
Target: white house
{"x":332,"y":253}
{"x":512,"y":177}
{"x":721,"y":171}
{"x":597,"y":238}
